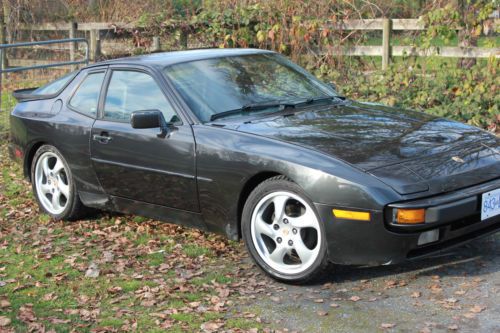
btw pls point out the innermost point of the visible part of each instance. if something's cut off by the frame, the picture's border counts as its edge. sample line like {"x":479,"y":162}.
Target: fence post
{"x":156,"y":44}
{"x":386,"y":43}
{"x":3,"y":40}
{"x":72,"y":45}
{"x":95,"y":45}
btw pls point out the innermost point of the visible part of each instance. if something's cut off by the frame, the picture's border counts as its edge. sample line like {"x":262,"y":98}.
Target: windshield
{"x":54,"y":86}
{"x":228,"y":83}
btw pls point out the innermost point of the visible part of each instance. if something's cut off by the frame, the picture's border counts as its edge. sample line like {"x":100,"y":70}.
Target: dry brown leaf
{"x":4,"y":321}
{"x":387,"y":325}
{"x":26,"y":313}
{"x":114,"y":290}
{"x":211,"y":326}
{"x":477,"y":309}
{"x":322,"y":313}
{"x":416,"y":294}
{"x":4,"y":303}
{"x":470,"y":315}
{"x":355,"y":298}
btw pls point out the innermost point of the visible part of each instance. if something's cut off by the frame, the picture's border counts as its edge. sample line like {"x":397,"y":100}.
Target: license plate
{"x":490,"y":204}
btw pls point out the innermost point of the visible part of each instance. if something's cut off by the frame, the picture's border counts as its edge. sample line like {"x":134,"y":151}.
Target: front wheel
{"x":53,"y":185}
{"x":282,"y":231}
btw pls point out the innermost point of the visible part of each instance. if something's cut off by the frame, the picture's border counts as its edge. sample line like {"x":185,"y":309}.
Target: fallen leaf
{"x":275,"y":299}
{"x":355,"y":298}
{"x":390,"y":283}
{"x":322,"y":313}
{"x":318,"y":300}
{"x":107,"y":256}
{"x":334,"y":305}
{"x":49,"y":297}
{"x":211,"y":326}
{"x":4,"y":303}
{"x":4,"y":321}
{"x":387,"y":325}
{"x":477,"y":309}
{"x":114,"y":290}
{"x":416,"y":294}
{"x":453,"y":327}
{"x":93,"y":271}
{"x":26,"y":313}
{"x":470,"y":315}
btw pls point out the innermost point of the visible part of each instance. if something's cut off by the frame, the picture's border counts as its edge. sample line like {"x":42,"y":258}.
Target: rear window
{"x":54,"y":86}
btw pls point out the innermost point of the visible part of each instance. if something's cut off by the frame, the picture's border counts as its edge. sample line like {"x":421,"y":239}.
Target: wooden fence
{"x":386,"y":50}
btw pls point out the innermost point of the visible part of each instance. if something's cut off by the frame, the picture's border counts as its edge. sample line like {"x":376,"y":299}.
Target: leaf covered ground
{"x":114,"y":273}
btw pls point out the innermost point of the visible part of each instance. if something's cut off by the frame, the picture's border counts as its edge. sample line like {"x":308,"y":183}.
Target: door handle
{"x":102,"y":138}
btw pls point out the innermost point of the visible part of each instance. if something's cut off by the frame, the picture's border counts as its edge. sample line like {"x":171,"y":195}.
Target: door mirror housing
{"x":145,"y":119}
{"x":149,"y":119}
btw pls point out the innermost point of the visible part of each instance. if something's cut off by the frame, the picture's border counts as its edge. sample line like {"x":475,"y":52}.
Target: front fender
{"x":227,"y":159}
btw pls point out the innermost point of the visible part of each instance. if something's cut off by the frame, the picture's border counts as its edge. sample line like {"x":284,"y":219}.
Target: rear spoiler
{"x":22,"y":95}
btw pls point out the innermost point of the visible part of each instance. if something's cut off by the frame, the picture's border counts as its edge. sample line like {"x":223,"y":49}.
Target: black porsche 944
{"x":245,"y":143}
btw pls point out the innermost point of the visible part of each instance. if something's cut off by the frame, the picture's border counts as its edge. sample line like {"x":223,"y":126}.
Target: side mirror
{"x":149,"y":119}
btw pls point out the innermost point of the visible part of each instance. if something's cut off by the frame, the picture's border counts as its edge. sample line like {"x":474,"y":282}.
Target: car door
{"x":139,"y":164}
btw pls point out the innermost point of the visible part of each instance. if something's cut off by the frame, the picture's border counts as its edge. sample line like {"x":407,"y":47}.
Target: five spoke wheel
{"x":286,"y":232}
{"x":52,"y":183}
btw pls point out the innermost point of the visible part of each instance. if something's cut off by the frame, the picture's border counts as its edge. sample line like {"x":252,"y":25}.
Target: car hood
{"x":405,"y":148}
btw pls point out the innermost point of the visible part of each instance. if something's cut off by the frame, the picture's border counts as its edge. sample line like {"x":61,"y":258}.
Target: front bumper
{"x":379,"y":242}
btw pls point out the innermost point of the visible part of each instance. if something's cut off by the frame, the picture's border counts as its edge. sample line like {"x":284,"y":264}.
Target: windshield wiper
{"x":270,"y":104}
{"x":251,"y":107}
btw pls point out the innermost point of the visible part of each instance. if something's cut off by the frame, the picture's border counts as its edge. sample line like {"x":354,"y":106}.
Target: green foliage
{"x":468,"y":95}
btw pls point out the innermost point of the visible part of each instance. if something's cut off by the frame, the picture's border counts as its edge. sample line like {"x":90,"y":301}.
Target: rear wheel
{"x":282,"y":231}
{"x":53,"y":185}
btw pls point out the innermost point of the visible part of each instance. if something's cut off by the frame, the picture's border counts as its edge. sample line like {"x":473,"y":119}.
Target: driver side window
{"x":130,"y":91}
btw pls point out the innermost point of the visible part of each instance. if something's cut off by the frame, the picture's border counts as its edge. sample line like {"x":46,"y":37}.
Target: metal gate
{"x":37,"y":73}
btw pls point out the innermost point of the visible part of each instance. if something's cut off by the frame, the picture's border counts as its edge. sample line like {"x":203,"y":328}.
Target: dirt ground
{"x":455,"y":291}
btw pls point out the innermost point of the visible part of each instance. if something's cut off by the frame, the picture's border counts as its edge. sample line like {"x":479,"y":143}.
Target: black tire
{"x":276,"y":184}
{"x":74,"y":208}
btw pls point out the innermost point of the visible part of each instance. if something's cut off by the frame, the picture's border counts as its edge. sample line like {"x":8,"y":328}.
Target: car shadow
{"x":474,"y":258}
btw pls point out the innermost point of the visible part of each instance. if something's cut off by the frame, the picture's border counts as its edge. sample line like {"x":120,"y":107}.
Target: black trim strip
{"x":124,"y":165}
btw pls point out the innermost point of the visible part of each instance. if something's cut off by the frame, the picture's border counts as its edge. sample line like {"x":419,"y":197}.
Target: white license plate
{"x":490,"y":204}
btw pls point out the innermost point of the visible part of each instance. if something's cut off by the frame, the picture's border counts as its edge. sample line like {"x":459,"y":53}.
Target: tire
{"x":51,"y":177}
{"x":283,"y":232}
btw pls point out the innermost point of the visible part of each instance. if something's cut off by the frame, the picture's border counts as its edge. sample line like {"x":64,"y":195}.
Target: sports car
{"x":245,"y":143}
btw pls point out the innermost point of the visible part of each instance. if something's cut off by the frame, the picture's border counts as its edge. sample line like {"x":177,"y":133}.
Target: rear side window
{"x":54,"y":86}
{"x":86,"y":97}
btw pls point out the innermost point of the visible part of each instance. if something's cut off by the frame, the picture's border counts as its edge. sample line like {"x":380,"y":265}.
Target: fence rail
{"x":386,"y":50}
{"x":11,"y":78}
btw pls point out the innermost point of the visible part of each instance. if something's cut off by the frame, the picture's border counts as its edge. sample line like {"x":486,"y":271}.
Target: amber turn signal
{"x":351,"y":215}
{"x":410,"y":216}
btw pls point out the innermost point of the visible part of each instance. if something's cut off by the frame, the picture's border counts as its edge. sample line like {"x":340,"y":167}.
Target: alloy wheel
{"x":286,"y":232}
{"x":52,"y":183}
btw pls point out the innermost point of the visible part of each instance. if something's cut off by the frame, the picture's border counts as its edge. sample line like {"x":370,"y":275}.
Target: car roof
{"x":163,"y":59}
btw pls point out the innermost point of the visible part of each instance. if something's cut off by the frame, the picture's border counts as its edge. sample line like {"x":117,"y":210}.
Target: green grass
{"x":193,"y":250}
{"x":43,"y":263}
